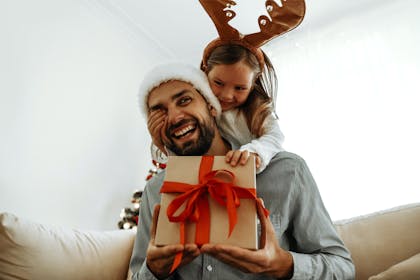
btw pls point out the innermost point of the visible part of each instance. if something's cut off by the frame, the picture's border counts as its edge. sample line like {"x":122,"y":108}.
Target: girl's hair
{"x":261,"y":100}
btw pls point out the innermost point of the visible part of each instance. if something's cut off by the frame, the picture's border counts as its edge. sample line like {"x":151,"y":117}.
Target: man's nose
{"x":175,"y":114}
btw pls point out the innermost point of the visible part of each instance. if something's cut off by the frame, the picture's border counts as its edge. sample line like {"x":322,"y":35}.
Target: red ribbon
{"x":195,"y":199}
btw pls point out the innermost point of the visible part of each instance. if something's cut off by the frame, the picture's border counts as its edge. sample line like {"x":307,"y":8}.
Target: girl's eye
{"x":240,"y":88}
{"x":218,"y":83}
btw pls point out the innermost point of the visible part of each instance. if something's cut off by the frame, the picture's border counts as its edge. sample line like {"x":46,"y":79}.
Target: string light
{"x":130,"y":216}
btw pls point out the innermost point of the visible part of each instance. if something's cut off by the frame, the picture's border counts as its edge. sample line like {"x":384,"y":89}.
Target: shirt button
{"x":209,"y":268}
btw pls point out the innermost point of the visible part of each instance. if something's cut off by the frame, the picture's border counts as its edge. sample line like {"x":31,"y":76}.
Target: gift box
{"x":208,"y":201}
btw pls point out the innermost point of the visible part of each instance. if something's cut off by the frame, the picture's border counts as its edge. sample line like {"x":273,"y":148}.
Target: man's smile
{"x":184,"y":131}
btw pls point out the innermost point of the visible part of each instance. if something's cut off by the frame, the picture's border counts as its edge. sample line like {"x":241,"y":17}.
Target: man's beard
{"x":194,"y":147}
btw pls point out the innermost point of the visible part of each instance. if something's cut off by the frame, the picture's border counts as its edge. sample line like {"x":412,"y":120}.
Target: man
{"x":300,"y":243}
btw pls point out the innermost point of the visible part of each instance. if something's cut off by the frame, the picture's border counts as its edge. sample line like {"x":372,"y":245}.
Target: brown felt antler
{"x":281,"y":20}
{"x":220,"y":13}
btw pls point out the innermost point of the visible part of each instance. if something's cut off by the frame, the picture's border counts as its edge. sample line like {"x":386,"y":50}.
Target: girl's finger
{"x":244,"y":157}
{"x":235,"y":158}
{"x":228,"y":156}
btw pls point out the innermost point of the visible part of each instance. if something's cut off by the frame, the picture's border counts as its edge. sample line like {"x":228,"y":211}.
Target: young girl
{"x":247,"y":96}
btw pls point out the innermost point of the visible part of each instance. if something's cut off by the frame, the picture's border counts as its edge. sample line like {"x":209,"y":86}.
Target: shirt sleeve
{"x":320,"y":253}
{"x":157,"y":154}
{"x":138,"y":264}
{"x":268,"y":145}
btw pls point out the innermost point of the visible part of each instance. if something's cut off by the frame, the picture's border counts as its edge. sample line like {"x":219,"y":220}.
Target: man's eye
{"x":184,"y":100}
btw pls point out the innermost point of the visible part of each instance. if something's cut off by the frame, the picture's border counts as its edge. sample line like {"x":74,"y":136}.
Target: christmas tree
{"x":130,"y":215}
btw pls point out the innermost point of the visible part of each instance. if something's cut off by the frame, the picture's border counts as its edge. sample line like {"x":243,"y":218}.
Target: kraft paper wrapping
{"x":185,"y":169}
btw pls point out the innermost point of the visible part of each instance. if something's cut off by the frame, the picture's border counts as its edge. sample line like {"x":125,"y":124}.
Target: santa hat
{"x":179,"y":72}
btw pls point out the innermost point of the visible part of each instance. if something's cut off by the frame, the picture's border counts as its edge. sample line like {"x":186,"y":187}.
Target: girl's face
{"x":231,"y":83}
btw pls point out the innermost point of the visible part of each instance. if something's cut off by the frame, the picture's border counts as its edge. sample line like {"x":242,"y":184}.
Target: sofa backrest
{"x":34,"y":251}
{"x":29,"y":250}
{"x":380,"y":240}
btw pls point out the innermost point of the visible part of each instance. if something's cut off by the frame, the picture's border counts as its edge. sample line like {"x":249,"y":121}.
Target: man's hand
{"x":270,"y":260}
{"x":155,"y":122}
{"x":235,"y":157}
{"x":160,"y":258}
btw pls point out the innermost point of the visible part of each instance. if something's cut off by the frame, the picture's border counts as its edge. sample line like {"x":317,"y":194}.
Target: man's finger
{"x":191,"y":251}
{"x":152,"y":118}
{"x":164,"y":253}
{"x":263,"y":223}
{"x":154,"y":223}
{"x":267,"y":229}
{"x":244,"y":259}
{"x":162,"y":132}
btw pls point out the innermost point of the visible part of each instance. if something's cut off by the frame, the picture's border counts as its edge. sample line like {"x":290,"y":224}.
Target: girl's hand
{"x":155,"y":124}
{"x":235,"y":156}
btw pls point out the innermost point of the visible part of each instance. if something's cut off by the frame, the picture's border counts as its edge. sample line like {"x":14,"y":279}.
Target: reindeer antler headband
{"x":283,"y":19}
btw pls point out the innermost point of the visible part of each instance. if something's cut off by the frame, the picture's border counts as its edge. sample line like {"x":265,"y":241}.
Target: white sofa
{"x":30,"y":250}
{"x":384,"y":245}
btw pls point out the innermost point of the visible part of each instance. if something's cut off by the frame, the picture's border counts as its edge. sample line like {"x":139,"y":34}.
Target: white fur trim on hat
{"x":180,"y":72}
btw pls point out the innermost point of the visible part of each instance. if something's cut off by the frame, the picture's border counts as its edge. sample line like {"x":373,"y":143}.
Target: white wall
{"x":73,"y":145}
{"x":349,"y":103}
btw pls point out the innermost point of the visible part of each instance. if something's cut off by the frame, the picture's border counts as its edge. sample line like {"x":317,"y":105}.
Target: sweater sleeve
{"x":268,"y":145}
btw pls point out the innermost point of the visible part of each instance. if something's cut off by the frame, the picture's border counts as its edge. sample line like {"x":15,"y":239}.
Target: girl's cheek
{"x":218,"y":94}
{"x":215,"y":90}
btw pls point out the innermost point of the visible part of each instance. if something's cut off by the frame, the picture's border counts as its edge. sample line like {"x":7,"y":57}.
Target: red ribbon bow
{"x":195,"y":199}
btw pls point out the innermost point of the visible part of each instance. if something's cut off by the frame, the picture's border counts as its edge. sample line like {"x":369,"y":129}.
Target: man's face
{"x":189,"y":126}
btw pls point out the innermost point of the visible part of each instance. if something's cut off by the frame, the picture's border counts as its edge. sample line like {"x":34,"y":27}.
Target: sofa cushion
{"x":406,"y":270}
{"x":34,"y":251}
{"x":382,"y":239}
